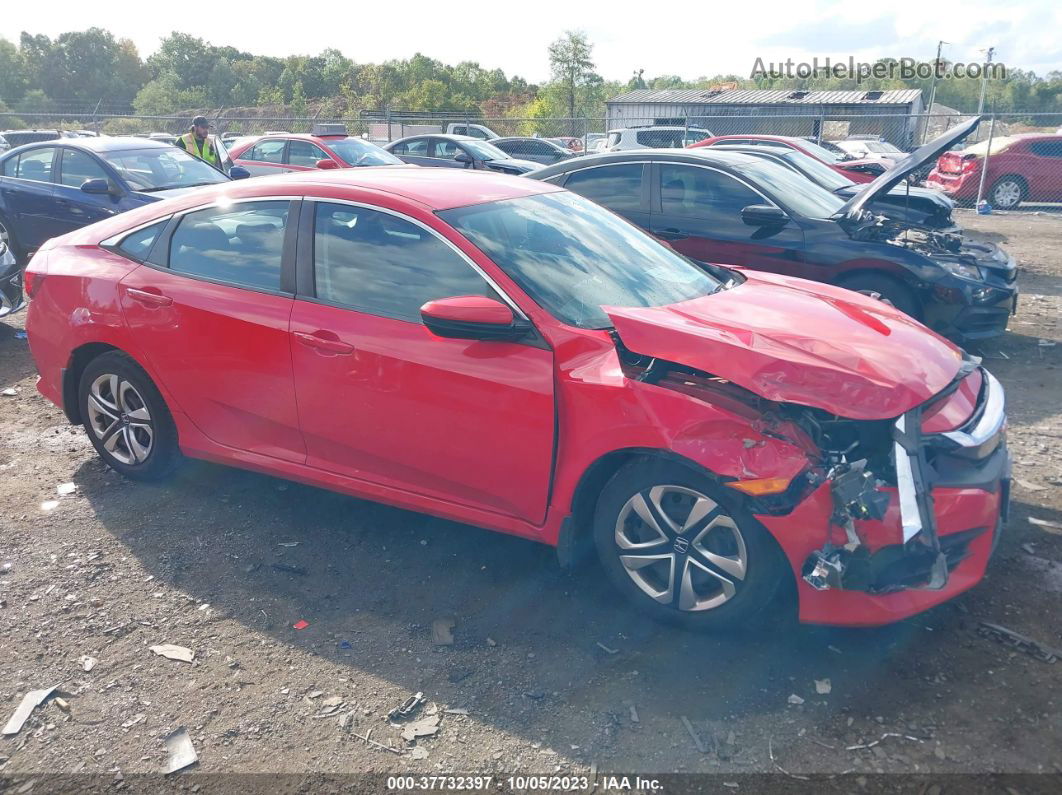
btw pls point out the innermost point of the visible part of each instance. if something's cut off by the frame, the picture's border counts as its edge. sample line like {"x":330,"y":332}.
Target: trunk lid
{"x":794,"y":341}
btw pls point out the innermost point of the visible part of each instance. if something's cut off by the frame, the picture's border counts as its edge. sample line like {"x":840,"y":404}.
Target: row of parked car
{"x":726,"y":437}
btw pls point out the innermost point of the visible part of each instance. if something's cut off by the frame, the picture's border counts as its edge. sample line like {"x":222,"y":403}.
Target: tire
{"x":7,"y":235}
{"x":126,"y":418}
{"x":717,"y":572}
{"x":886,"y":288}
{"x":1007,"y":193}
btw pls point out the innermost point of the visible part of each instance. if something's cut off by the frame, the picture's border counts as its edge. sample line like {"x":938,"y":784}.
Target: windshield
{"x":821,"y":152}
{"x":816,"y":170}
{"x":882,"y":148}
{"x":162,"y":169}
{"x":485,"y":151}
{"x":356,"y":152}
{"x":573,"y":256}
{"x":792,"y":190}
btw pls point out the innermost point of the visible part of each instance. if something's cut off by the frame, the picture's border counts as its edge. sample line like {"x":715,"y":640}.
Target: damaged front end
{"x":909,"y":465}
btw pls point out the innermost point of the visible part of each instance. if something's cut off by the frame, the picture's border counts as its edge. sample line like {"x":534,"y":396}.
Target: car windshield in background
{"x":356,"y":152}
{"x":816,"y":170}
{"x":573,"y":256}
{"x":793,"y":190}
{"x":162,"y":169}
{"x":693,"y":136}
{"x":485,"y":151}
{"x":821,"y":152}
{"x":883,"y":148}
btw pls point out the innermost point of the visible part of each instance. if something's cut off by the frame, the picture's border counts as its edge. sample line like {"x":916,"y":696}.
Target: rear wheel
{"x":680,"y":552}
{"x":885,"y":288}
{"x":126,"y":418}
{"x":1007,"y":193}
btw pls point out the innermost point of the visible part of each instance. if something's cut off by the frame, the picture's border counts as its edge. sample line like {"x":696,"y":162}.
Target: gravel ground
{"x":547,"y":672}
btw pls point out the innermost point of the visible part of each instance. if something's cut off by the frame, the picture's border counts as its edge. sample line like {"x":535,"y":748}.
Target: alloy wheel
{"x":681,"y":548}
{"x":1006,"y":194}
{"x":120,"y":419}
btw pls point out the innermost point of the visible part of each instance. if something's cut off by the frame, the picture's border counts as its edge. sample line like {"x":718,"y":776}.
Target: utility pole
{"x":984,"y":80}
{"x":932,"y":90}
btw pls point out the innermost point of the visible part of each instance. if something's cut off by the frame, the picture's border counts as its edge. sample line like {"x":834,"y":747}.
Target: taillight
{"x":31,"y":282}
{"x":969,"y":166}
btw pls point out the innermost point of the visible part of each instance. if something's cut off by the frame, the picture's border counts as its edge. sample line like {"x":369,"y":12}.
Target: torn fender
{"x":794,"y":341}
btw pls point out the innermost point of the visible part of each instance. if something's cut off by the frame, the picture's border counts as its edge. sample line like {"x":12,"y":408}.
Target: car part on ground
{"x":12,"y":298}
{"x":715,"y":434}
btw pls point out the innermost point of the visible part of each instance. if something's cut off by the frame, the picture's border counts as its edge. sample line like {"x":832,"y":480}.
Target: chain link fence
{"x":1020,"y":172}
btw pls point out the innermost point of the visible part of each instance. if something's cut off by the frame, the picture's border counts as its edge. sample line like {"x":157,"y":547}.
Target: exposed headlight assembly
{"x":962,"y":270}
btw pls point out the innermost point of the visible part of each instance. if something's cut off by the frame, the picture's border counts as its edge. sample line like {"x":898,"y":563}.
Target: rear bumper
{"x":962,"y":187}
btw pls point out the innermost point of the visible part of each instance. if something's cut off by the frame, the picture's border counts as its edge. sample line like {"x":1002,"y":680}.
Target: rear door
{"x":1043,"y":170}
{"x":210,"y":310}
{"x":28,"y":195}
{"x":442,"y":152}
{"x":698,"y":211}
{"x":622,"y":188}
{"x":265,"y":157}
{"x":383,"y":399}
{"x":74,"y":207}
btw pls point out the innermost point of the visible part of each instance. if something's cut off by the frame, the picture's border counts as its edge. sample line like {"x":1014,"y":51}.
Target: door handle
{"x":322,"y":343}
{"x":148,"y":298}
{"x":670,"y":234}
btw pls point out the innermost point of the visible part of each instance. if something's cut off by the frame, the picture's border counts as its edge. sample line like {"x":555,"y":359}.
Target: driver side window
{"x":701,"y":193}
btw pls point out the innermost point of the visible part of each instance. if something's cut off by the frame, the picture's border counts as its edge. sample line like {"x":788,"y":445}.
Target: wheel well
{"x":851,"y":275}
{"x":79,"y":360}
{"x":1017,"y":178}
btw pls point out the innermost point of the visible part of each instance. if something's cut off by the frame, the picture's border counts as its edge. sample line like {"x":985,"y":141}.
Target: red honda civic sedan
{"x":502,"y":352}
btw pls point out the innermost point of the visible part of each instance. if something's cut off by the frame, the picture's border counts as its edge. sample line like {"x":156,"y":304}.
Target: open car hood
{"x":795,"y":341}
{"x":916,"y":159}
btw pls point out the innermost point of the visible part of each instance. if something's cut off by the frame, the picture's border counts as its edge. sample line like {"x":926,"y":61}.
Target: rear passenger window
{"x":383,"y":265}
{"x":241,"y":245}
{"x":616,"y":187}
{"x":36,"y":164}
{"x":138,"y":245}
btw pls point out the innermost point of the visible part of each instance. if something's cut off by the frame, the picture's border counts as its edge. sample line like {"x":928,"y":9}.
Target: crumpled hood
{"x":795,"y":341}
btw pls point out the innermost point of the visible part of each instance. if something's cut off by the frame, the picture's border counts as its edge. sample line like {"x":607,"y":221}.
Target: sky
{"x":690,"y":40}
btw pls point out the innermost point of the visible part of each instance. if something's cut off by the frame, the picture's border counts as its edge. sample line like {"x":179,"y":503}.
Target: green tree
{"x":12,"y":72}
{"x":572,"y":68}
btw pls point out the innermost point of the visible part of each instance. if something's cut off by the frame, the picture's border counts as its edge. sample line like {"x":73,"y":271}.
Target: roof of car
{"x":104,"y":143}
{"x":444,"y":136}
{"x":700,"y":156}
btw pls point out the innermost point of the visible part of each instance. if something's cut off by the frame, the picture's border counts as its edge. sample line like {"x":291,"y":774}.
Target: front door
{"x":698,"y":211}
{"x":384,"y":400}
{"x":74,"y":207}
{"x":212,"y":318}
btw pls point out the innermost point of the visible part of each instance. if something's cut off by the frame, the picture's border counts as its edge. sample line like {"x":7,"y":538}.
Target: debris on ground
{"x":693,"y":734}
{"x":87,"y":663}
{"x":442,"y":631}
{"x":1028,"y":486}
{"x":770,"y":753}
{"x":62,"y":704}
{"x":407,"y":707}
{"x":49,"y":505}
{"x":606,"y":648}
{"x":456,"y":711}
{"x":823,"y":687}
{"x":300,"y":624}
{"x":1055,"y":528}
{"x":30,"y":702}
{"x":885,"y":736}
{"x":181,"y":751}
{"x":633,"y":711}
{"x":66,"y":488}
{"x":419,"y":753}
{"x":368,"y":741}
{"x":795,"y":700}
{"x":344,"y":645}
{"x":425,"y":727}
{"x":1023,"y":643}
{"x":171,"y":652}
{"x":9,"y":392}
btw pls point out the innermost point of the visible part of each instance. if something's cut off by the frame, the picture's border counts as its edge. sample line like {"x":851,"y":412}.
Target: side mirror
{"x":239,"y":172}
{"x":472,"y":317}
{"x":327,"y":163}
{"x":764,"y":215}
{"x":463,"y":157}
{"x":97,"y":187}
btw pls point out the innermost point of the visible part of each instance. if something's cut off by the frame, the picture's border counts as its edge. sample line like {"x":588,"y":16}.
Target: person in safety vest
{"x":197,"y":142}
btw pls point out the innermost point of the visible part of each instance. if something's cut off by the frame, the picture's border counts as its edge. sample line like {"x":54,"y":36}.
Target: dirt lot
{"x":554,"y":672}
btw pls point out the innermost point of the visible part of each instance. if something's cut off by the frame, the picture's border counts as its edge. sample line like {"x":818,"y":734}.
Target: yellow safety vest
{"x":207,"y":153}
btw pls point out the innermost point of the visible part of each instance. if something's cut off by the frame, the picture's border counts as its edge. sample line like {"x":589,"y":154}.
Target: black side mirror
{"x":464,"y":157}
{"x":97,"y":187}
{"x":239,"y":172}
{"x":764,"y":215}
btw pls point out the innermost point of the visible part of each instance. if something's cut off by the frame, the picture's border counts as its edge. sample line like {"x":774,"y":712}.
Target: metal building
{"x":830,"y":114}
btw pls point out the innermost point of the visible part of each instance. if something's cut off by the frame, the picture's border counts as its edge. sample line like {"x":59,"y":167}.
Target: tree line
{"x":41,"y":74}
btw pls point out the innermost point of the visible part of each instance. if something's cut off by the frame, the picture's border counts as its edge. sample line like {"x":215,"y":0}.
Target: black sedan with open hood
{"x":737,"y":209}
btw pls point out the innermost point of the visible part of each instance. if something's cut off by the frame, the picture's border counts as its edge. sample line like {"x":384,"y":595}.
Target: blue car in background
{"x":51,"y":188}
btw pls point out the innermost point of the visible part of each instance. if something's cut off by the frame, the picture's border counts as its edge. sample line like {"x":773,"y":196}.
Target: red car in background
{"x":499,"y":351}
{"x":277,"y":154}
{"x":864,"y":170}
{"x":1020,"y":168}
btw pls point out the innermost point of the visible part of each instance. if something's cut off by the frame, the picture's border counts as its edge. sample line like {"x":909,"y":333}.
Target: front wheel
{"x":126,"y":418}
{"x":681,"y":552}
{"x":886,"y":289}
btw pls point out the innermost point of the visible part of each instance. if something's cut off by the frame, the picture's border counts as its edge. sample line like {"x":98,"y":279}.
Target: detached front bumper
{"x":944,"y":517}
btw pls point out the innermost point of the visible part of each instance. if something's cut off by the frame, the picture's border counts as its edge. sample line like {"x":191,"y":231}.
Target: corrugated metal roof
{"x":769,"y":97}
